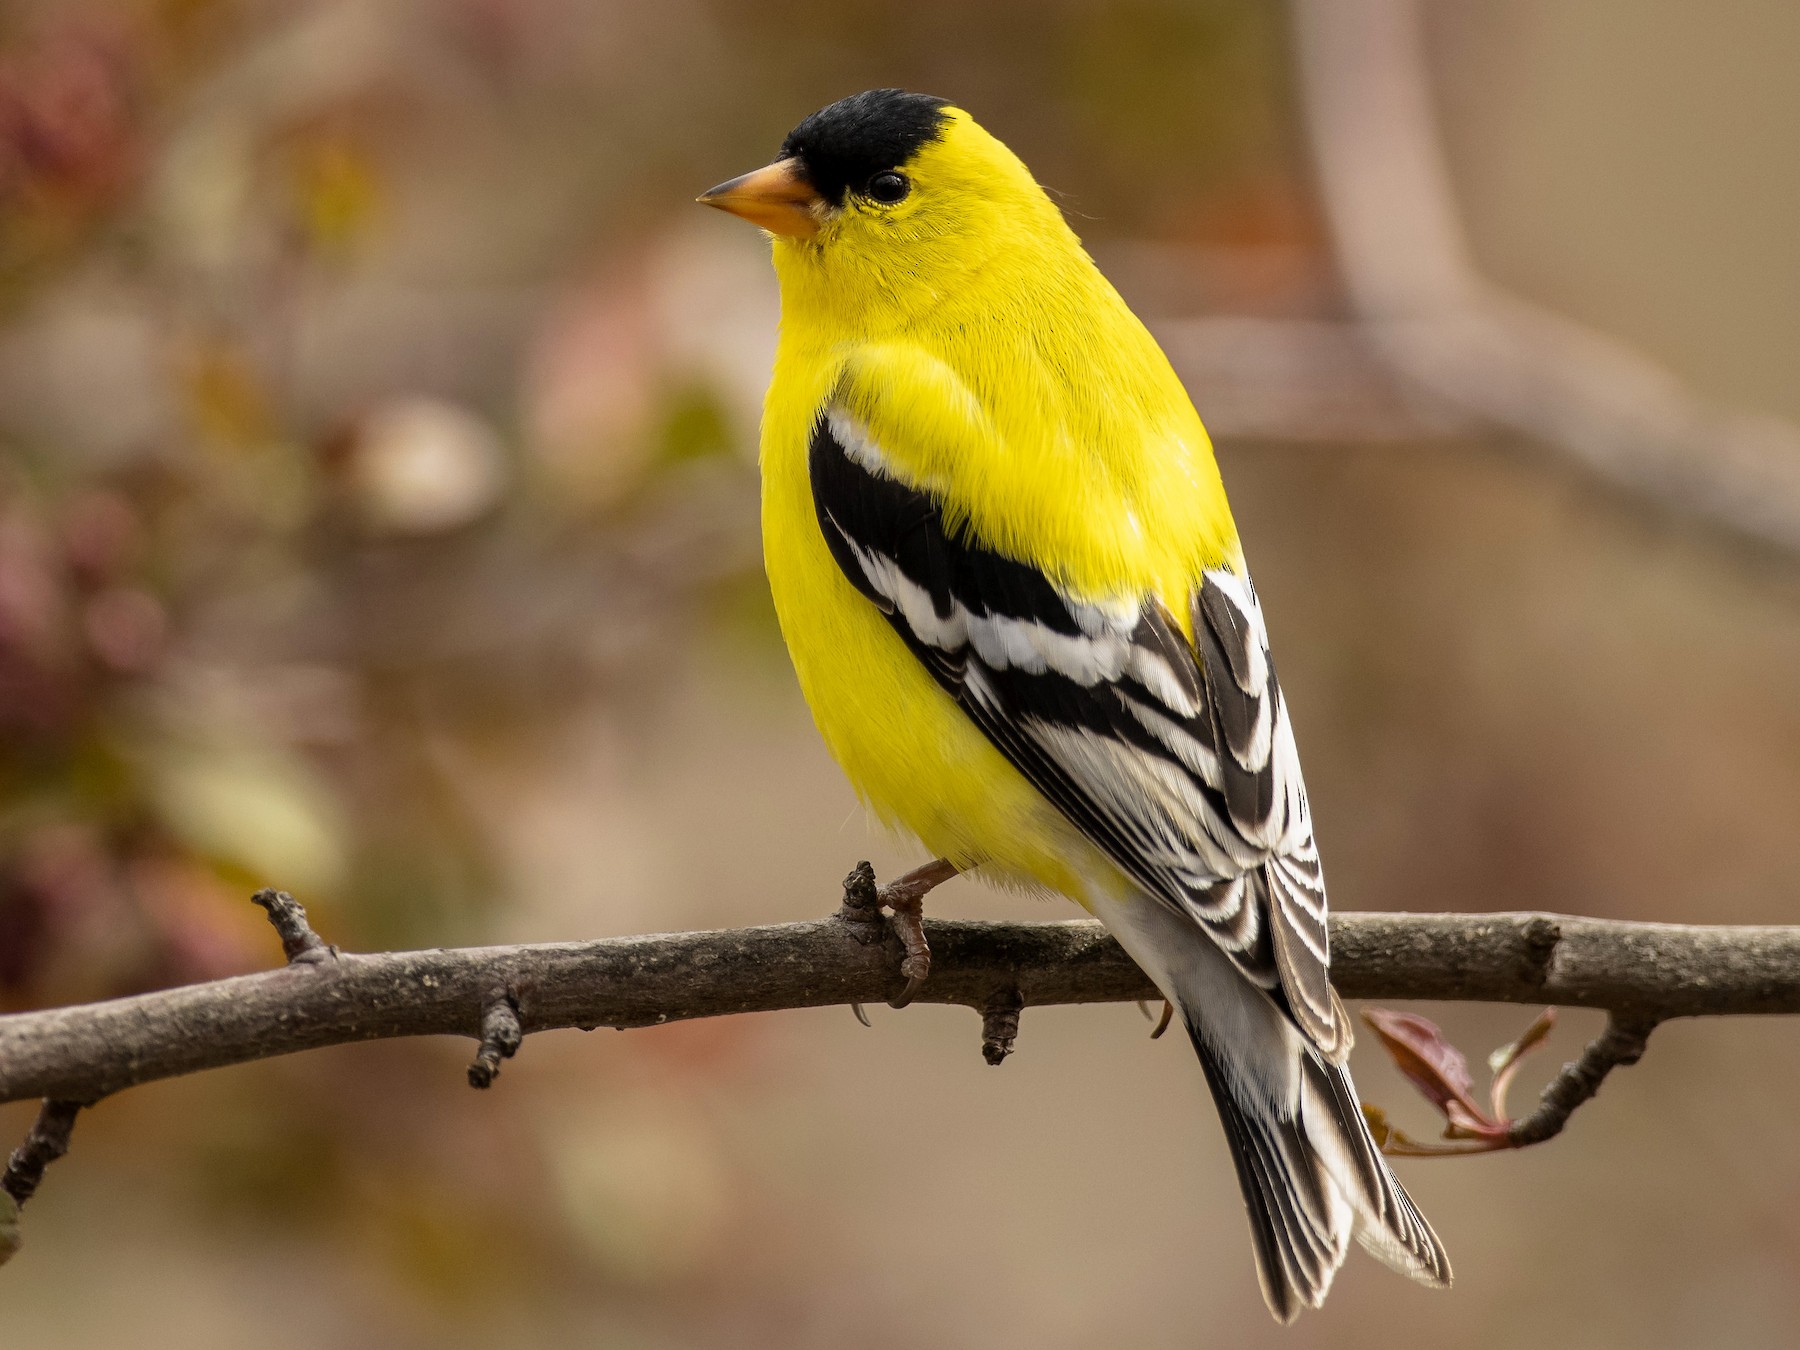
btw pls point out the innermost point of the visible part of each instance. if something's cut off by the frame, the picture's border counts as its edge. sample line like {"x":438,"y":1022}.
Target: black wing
{"x":1178,"y":763}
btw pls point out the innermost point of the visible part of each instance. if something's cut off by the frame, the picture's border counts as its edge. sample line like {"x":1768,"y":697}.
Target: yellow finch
{"x":1005,"y":567}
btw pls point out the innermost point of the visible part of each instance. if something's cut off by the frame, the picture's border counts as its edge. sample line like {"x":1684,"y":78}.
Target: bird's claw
{"x":863,"y":903}
{"x":1162,"y":1023}
{"x":907,"y":900}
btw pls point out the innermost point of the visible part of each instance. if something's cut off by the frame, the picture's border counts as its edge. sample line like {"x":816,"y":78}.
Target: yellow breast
{"x":909,"y":751}
{"x":1031,"y":403}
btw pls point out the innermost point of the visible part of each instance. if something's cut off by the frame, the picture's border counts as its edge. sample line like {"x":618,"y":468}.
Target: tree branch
{"x":1471,"y":348}
{"x":1622,"y":1043}
{"x":48,"y":1141}
{"x":1637,"y":971}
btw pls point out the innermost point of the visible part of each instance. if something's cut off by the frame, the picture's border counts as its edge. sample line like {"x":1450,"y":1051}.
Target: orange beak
{"x":778,"y":198}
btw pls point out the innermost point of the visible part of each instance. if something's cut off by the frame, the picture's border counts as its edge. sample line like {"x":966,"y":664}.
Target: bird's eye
{"x":888,"y":188}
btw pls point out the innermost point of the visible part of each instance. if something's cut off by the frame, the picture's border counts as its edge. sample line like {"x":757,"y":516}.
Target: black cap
{"x":843,"y":146}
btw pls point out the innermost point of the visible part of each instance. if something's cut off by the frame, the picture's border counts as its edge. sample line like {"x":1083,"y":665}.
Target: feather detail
{"x":1177,"y":760}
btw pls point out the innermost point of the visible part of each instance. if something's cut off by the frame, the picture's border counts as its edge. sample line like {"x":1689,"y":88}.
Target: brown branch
{"x":1641,"y":973}
{"x":288,"y":915}
{"x":1000,"y":1026}
{"x":48,"y":1141}
{"x":1622,"y":1043}
{"x":1441,"y":1074}
{"x":500,"y":1038}
{"x":1634,"y":970}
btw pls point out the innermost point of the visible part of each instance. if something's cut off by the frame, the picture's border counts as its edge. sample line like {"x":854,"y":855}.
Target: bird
{"x":1007,"y":574}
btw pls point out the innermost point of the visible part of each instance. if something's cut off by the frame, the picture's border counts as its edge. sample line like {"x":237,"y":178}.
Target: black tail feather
{"x":1302,"y":1217}
{"x":1296,"y":1251}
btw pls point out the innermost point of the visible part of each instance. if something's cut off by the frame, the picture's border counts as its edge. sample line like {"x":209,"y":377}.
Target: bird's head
{"x":884,"y":200}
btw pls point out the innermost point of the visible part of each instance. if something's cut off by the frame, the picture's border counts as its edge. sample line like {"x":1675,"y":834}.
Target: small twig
{"x":298,"y":941}
{"x":48,"y":1141}
{"x":861,"y":914}
{"x":500,"y":1037}
{"x":862,"y":904}
{"x":1000,"y":1026}
{"x":1441,"y":1074}
{"x":1622,"y":1043}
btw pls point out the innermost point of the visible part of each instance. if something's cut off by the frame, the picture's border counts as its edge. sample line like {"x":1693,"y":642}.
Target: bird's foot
{"x":863,"y":902}
{"x":906,"y":897}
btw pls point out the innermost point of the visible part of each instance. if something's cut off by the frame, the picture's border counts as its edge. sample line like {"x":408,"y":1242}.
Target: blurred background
{"x":377,"y":520}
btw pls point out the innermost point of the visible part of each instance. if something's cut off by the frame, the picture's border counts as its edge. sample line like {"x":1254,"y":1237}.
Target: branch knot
{"x":1000,"y":1026}
{"x":299,"y":943}
{"x":1542,"y":936}
{"x":500,"y":1038}
{"x":861,"y":909}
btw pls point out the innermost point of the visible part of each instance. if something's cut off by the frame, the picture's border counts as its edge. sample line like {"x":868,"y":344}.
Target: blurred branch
{"x":1297,"y":380}
{"x":1468,"y":346}
{"x":1640,"y":972}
